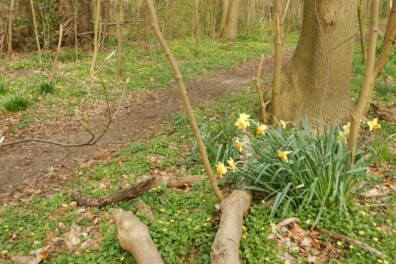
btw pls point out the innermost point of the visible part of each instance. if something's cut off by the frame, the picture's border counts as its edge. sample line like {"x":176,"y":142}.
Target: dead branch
{"x":122,"y":195}
{"x":176,"y":182}
{"x":225,"y":248}
{"x":283,"y":223}
{"x":356,"y":242}
{"x":135,"y":238}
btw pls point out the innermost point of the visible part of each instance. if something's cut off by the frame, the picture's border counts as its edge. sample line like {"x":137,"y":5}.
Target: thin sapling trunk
{"x":185,"y":98}
{"x":35,"y":29}
{"x":276,"y":88}
{"x":358,"y":113}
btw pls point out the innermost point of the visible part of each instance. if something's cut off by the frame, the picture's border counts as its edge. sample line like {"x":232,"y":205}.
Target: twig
{"x":356,"y":242}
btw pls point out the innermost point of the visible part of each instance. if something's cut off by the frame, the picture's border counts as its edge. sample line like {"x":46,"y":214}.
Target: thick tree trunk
{"x":70,"y":16}
{"x":229,"y":19}
{"x":316,"y":81}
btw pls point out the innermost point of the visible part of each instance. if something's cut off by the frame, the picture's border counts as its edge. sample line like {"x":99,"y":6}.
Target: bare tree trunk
{"x":360,"y":16}
{"x":84,"y":22}
{"x":368,"y":80}
{"x":229,"y":19}
{"x":119,"y":10}
{"x":75,"y":29}
{"x":9,"y":37}
{"x":225,"y":248}
{"x":35,"y":30}
{"x":316,"y":81}
{"x":96,"y":37}
{"x":276,"y":87}
{"x":196,"y":29}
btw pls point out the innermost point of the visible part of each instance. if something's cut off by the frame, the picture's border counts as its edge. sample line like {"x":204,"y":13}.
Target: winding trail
{"x":30,"y":167}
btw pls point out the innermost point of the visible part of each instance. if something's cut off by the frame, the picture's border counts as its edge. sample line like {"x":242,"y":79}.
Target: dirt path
{"x":29,"y":167}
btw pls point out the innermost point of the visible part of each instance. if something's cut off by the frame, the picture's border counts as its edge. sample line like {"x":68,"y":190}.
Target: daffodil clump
{"x":294,"y":167}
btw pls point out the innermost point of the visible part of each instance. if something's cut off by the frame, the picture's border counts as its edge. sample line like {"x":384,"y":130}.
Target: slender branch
{"x":185,"y":98}
{"x":368,"y":79}
{"x":260,"y":92}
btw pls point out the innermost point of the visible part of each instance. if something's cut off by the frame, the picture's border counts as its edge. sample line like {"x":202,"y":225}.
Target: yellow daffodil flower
{"x":238,"y":145}
{"x":243,"y":121}
{"x":375,"y":239}
{"x":231,"y":164}
{"x":283,"y":155}
{"x":261,"y":129}
{"x":373,"y":124}
{"x":282,"y":124}
{"x":346,"y":128}
{"x":341,"y":136}
{"x":220,"y":168}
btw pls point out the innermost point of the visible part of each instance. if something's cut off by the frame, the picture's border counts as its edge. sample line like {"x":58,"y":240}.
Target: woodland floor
{"x":31,"y":167}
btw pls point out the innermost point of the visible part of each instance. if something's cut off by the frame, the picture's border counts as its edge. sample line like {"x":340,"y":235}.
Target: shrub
{"x":14,"y":103}
{"x":298,"y":169}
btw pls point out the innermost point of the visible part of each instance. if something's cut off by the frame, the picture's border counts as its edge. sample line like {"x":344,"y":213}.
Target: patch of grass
{"x":15,"y":102}
{"x":3,"y":87}
{"x":46,"y":88}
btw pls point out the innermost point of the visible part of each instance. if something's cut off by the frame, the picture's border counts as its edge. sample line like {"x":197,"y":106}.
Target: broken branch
{"x":122,"y":195}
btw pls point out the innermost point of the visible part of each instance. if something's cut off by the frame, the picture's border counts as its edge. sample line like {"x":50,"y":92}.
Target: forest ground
{"x":30,"y":167}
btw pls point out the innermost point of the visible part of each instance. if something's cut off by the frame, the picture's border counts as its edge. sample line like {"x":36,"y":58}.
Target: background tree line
{"x":178,"y":19}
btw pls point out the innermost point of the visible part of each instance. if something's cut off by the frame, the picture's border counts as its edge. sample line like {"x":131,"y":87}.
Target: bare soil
{"x":31,"y":167}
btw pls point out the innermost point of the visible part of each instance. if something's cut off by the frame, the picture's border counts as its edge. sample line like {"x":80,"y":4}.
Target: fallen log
{"x":225,"y":248}
{"x":135,"y":238}
{"x":122,"y":195}
{"x":179,"y":182}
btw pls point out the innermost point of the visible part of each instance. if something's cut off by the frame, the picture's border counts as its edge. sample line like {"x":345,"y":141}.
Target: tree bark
{"x":225,"y":248}
{"x":35,"y":29}
{"x":135,"y":238}
{"x":229,"y":19}
{"x":119,"y":11}
{"x":316,"y":81}
{"x":9,"y":36}
{"x":276,"y":86}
